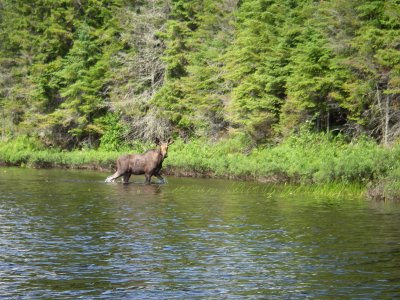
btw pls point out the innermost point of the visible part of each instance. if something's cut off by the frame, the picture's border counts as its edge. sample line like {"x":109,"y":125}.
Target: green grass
{"x":24,"y":151}
{"x":309,"y":158}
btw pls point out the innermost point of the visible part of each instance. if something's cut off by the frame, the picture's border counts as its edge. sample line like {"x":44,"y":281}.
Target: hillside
{"x":107,"y":72}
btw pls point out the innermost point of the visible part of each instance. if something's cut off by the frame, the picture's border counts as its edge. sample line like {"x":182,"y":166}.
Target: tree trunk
{"x":386,"y":120}
{"x":384,"y":109}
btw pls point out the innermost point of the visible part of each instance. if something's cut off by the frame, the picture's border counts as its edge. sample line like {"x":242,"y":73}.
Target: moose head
{"x":163,"y":146}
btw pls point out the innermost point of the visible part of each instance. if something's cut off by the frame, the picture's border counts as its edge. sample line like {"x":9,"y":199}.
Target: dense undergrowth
{"x":316,"y":158}
{"x":303,"y":158}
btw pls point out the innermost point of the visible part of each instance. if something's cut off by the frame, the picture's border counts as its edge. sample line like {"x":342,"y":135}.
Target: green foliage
{"x":28,"y":151}
{"x":112,"y":138}
{"x":255,"y":64}
{"x":305,"y":158}
{"x":192,"y":97}
{"x":198,"y":68}
{"x":386,"y":188}
{"x":62,"y":51}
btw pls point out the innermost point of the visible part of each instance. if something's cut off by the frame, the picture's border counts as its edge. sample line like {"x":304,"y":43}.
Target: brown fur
{"x":148,"y":163}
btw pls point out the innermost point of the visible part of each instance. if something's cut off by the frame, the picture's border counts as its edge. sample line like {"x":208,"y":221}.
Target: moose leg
{"x":126,"y":177}
{"x":148,"y":178}
{"x":113,"y":177}
{"x":160,"y":178}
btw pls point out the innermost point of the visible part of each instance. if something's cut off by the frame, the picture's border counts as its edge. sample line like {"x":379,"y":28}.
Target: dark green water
{"x":67,"y":235}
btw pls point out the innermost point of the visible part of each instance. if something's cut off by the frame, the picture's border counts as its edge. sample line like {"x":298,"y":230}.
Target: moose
{"x":148,"y":163}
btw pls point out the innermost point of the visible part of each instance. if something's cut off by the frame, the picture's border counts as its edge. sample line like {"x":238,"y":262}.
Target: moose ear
{"x":170,"y":141}
{"x":157,"y":141}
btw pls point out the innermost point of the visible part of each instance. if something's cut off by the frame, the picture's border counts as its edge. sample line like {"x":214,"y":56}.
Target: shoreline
{"x":309,"y":159}
{"x":375,"y":191}
{"x":169,"y":171}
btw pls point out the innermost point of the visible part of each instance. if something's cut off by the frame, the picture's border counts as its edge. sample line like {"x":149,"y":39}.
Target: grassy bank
{"x":29,"y":152}
{"x":300,"y":159}
{"x":305,"y":158}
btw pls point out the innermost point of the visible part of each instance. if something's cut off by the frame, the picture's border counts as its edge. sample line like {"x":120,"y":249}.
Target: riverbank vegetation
{"x":234,"y":82}
{"x":301,"y":159}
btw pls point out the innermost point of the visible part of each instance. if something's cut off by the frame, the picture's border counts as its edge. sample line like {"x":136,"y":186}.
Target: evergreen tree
{"x":63,"y":50}
{"x":367,"y":37}
{"x":196,"y":38}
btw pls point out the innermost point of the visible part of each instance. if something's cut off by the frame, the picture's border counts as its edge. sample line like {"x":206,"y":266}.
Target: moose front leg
{"x":126,"y":177}
{"x":160,"y":178}
{"x":148,"y":178}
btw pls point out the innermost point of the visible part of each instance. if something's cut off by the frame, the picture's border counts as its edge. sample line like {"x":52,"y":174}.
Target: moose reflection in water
{"x":148,"y":163}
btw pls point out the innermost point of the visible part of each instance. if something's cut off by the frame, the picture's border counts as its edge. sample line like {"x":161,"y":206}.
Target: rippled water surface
{"x":67,"y":235}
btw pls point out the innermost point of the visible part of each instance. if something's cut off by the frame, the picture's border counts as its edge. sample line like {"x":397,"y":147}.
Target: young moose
{"x":148,"y":163}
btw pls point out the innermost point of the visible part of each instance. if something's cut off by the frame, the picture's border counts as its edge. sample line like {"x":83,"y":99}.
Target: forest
{"x":90,"y":73}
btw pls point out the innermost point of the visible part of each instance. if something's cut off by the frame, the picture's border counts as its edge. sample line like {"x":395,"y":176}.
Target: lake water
{"x":67,"y":235}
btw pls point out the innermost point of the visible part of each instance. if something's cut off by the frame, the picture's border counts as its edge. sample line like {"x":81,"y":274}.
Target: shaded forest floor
{"x":301,"y":159}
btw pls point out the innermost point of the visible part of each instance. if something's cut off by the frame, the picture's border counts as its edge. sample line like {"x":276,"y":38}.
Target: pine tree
{"x":196,"y":38}
{"x":367,"y":35}
{"x":62,"y":49}
{"x":257,"y":65}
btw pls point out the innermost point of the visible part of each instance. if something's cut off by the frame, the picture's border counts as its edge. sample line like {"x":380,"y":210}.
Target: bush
{"x":112,"y":139}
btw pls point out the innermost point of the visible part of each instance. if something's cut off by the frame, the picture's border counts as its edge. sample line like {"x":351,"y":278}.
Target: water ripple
{"x":79,"y":238}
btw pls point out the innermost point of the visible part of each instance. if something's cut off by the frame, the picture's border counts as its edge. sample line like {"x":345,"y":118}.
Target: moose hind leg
{"x":113,"y":177}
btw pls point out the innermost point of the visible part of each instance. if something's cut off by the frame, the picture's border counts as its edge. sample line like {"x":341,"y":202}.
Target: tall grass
{"x":387,"y":188}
